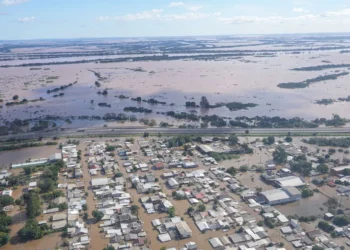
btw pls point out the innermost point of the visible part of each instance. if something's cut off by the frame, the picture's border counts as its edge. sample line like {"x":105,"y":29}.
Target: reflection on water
{"x":177,"y":82}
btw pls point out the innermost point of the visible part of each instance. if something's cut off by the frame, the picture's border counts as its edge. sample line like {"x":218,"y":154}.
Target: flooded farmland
{"x":251,"y":77}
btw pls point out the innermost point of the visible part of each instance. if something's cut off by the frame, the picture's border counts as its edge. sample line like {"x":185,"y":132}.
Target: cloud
{"x":157,"y":14}
{"x":145,"y":15}
{"x":269,"y":19}
{"x":176,"y":4}
{"x":12,"y":2}
{"x":195,"y":7}
{"x":190,"y":16}
{"x":26,"y":19}
{"x":300,"y":10}
{"x":344,"y":12}
{"x":192,"y":8}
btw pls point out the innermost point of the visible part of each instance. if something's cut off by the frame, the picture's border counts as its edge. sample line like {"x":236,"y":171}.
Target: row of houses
{"x":120,"y":224}
{"x":76,"y":201}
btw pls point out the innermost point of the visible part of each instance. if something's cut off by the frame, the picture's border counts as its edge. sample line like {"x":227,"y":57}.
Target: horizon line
{"x":179,"y":36}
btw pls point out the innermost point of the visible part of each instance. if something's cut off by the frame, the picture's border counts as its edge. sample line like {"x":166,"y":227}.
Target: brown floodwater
{"x":22,"y":155}
{"x":240,"y":80}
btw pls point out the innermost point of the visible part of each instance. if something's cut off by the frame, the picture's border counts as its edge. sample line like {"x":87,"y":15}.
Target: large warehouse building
{"x":290,"y":181}
{"x":281,"y":196}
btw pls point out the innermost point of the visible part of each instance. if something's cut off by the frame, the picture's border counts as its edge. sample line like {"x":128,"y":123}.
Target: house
{"x":205,"y":149}
{"x":32,"y":185}
{"x":158,"y":165}
{"x":338,"y":170}
{"x":216,"y":243}
{"x":7,"y":192}
{"x":183,"y":229}
{"x":172,"y":183}
{"x":313,"y":234}
{"x":55,"y":157}
{"x":189,"y":165}
{"x":99,"y":182}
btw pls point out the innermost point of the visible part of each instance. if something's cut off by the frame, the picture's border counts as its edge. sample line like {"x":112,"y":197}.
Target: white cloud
{"x":13,"y":2}
{"x":195,"y":8}
{"x":145,"y":15}
{"x":26,"y":19}
{"x":190,"y":16}
{"x":300,"y":10}
{"x":344,"y":12}
{"x":176,"y":4}
{"x":157,"y":14}
{"x":192,"y":8}
{"x":269,"y":19}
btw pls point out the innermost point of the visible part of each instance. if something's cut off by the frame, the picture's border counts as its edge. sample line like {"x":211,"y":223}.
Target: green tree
{"x":15,"y":97}
{"x":6,"y":200}
{"x":33,"y":205}
{"x":109,"y":248}
{"x":317,"y":248}
{"x":306,"y":193}
{"x":341,"y":221}
{"x":4,"y":238}
{"x":269,"y":140}
{"x":27,"y":170}
{"x":201,"y":208}
{"x":31,"y":231}
{"x":280,"y":155}
{"x":289,"y":139}
{"x":204,"y":103}
{"x":322,"y":168}
{"x":233,"y":140}
{"x":46,"y":185}
{"x":232,"y":171}
{"x":243,"y":168}
{"x":134,"y":209}
{"x":171,"y":212}
{"x":153,"y":123}
{"x":98,"y":215}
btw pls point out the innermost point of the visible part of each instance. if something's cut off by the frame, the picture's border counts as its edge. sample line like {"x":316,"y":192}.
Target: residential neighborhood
{"x":142,"y":193}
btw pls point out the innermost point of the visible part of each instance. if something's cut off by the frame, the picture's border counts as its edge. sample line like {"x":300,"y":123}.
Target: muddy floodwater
{"x":251,"y":77}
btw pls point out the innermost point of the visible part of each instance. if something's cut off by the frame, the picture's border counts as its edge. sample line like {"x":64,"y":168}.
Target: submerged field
{"x":224,"y":70}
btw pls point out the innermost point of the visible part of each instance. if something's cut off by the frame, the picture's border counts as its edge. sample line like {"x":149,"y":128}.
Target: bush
{"x":243,"y":168}
{"x":6,"y":200}
{"x":15,"y":97}
{"x":325,"y":226}
{"x":98,"y":215}
{"x":341,"y":221}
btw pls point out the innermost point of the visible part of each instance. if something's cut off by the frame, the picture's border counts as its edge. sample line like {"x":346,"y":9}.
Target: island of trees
{"x":308,"y":82}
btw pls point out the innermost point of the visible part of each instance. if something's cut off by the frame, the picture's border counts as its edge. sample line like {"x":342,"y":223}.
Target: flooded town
{"x":181,"y":192}
{"x":174,"y":125}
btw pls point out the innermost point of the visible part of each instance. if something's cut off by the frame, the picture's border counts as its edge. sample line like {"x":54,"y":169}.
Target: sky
{"x":46,"y":19}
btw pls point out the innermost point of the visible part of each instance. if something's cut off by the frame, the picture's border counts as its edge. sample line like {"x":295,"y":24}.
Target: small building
{"x":183,"y":229}
{"x":99,"y":182}
{"x":328,"y":216}
{"x":55,"y":157}
{"x":172,"y":183}
{"x":338,"y":170}
{"x":215,"y":243}
{"x":189,"y":165}
{"x":158,"y":166}
{"x":205,"y":149}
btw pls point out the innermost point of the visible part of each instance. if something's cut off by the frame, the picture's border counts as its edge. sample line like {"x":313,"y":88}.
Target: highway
{"x":122,"y":131}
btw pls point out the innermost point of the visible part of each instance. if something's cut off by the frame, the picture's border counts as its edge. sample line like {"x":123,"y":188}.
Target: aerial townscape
{"x":174,"y":125}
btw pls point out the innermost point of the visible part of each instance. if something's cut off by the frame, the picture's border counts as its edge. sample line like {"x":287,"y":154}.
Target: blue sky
{"x":37,"y":19}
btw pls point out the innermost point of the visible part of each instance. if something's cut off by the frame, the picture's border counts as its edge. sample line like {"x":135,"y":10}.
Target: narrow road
{"x":174,"y":131}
